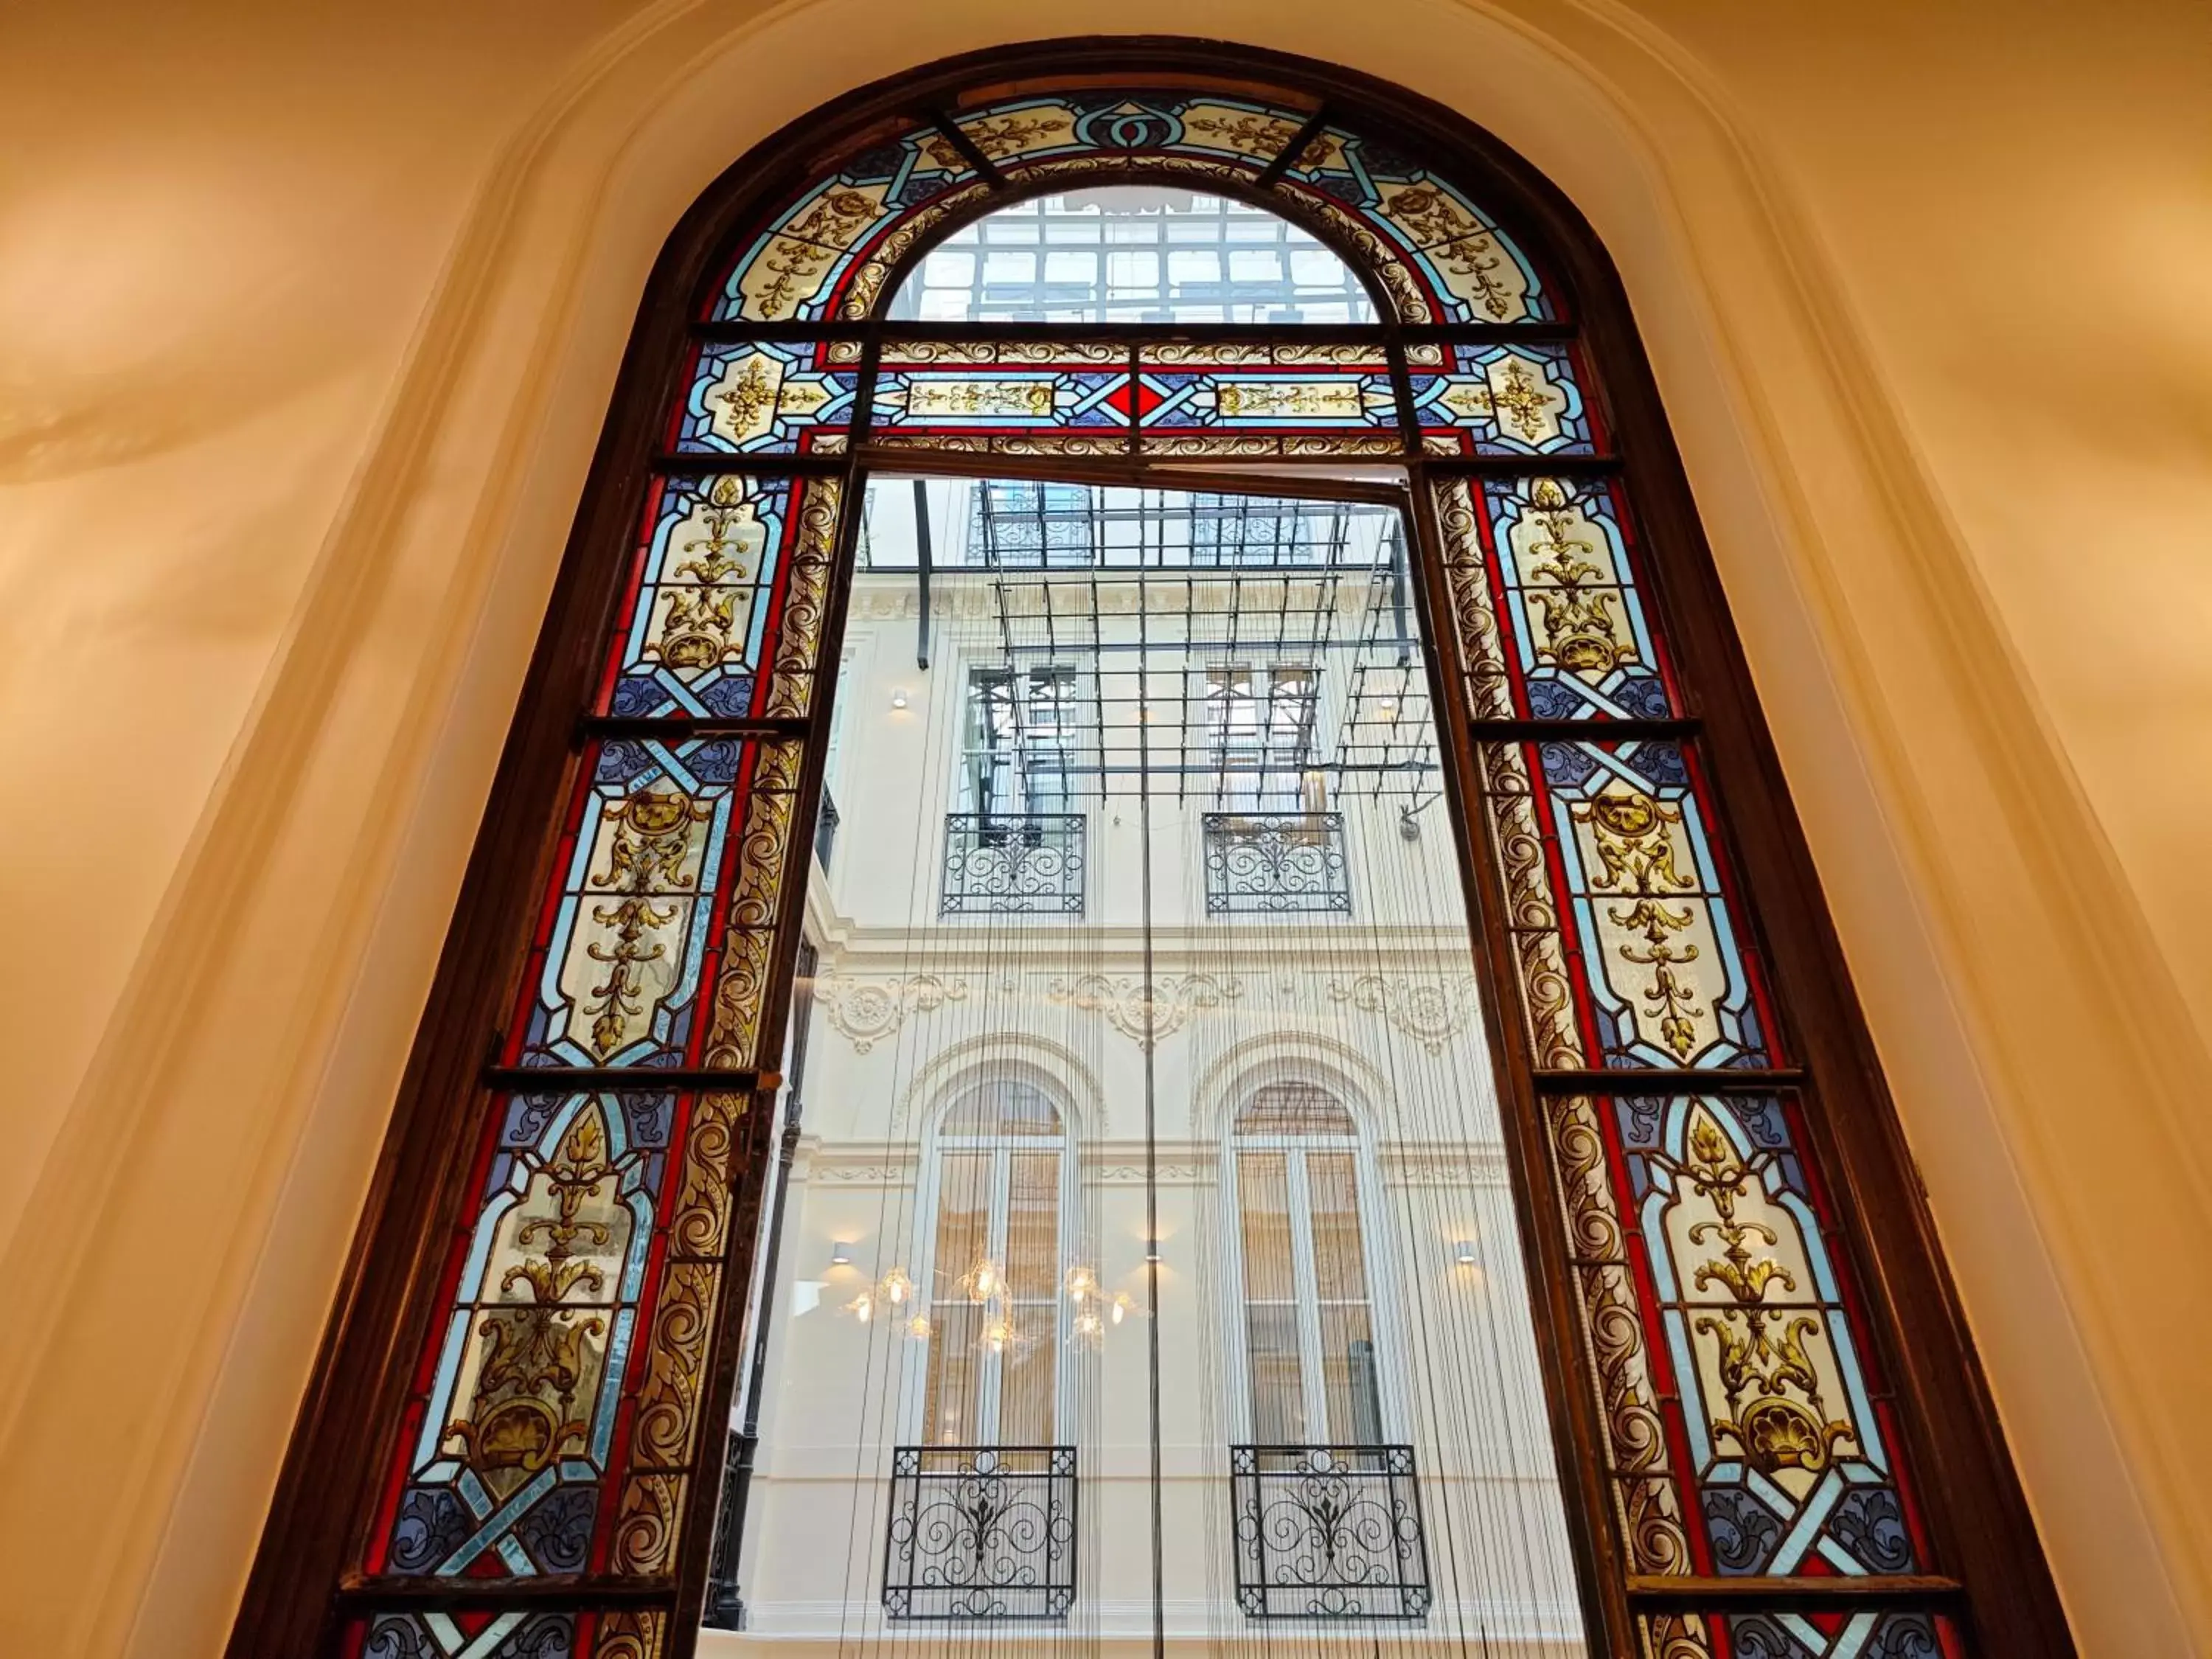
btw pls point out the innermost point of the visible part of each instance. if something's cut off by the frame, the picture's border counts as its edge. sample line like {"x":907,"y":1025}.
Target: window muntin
{"x":1131,"y":254}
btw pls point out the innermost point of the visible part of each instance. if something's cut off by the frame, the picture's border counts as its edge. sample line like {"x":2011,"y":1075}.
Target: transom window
{"x":1131,"y":254}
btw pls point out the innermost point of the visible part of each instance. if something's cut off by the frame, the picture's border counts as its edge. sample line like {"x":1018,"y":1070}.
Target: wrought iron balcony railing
{"x":1328,"y":1532}
{"x":1013,"y":864}
{"x":980,"y":1533}
{"x":1275,"y":863}
{"x":825,"y":827}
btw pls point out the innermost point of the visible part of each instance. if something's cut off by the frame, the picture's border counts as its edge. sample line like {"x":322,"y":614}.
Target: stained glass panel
{"x":490,"y":1633}
{"x":1503,"y":400}
{"x":621,"y":958}
{"x":1544,"y":582}
{"x":1769,"y":1385}
{"x":1857,"y":1633}
{"x":1468,"y":270}
{"x":760,"y":398}
{"x":1629,"y":951}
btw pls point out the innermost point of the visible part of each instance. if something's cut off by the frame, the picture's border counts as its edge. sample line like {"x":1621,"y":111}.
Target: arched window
{"x":1311,"y":1335}
{"x":991,"y":1277}
{"x":517,"y":1424}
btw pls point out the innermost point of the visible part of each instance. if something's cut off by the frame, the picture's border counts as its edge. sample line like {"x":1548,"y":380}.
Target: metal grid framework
{"x":1124,"y":255}
{"x":1235,"y":650}
{"x":980,"y":1534}
{"x":1328,"y":1532}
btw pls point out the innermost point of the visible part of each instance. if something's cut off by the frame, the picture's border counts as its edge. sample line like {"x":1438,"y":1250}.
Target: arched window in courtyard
{"x":1197,"y":272}
{"x":999,"y":1166}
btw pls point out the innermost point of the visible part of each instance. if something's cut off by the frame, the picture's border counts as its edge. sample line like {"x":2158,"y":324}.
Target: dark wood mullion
{"x":1754,"y":1594}
{"x":1287,"y":157}
{"x":970,"y":152}
{"x":1661,"y":1080}
{"x":1579,"y":1442}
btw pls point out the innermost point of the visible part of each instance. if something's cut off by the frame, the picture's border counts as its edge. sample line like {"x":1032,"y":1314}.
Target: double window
{"x":1313,"y":1374}
{"x":992,"y":1278}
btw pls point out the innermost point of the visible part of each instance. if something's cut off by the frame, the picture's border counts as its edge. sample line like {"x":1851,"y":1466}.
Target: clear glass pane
{"x":1033,"y":1226}
{"x":1029,"y":1371}
{"x":952,"y":1399}
{"x":1333,"y":1212}
{"x":1225,"y":261}
{"x":1348,"y":1364}
{"x":1278,"y":1395}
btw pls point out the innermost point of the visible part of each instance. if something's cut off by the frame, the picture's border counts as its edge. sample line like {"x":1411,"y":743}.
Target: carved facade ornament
{"x":868,"y":1011}
{"x":1431,"y":1011}
{"x":1145,"y":1013}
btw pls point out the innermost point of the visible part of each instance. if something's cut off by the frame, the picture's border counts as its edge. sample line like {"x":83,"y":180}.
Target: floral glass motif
{"x":622,"y":945}
{"x":1545,"y":587}
{"x":689,"y":639}
{"x":517,"y":1433}
{"x":1501,"y":400}
{"x":758,"y":397}
{"x":1464,"y":269}
{"x":827,"y":254}
{"x":1628,"y":952}
{"x":1787,"y":1444}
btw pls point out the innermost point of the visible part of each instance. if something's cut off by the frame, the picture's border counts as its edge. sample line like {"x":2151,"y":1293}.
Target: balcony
{"x":980,"y":1533}
{"x":1275,"y":864}
{"x":1011,"y":864}
{"x":1328,"y":1532}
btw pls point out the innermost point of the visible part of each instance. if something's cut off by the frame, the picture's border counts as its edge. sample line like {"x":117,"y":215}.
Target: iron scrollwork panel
{"x":980,"y":1533}
{"x":1328,"y":1532}
{"x":1275,"y":864}
{"x":1004,"y":864}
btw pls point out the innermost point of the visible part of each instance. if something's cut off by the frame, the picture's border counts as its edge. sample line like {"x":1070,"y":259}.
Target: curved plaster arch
{"x":330,"y":853}
{"x":938,"y":1082}
{"x":1231,"y":1075}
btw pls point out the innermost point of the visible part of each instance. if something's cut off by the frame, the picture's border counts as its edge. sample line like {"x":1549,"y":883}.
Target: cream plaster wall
{"x":307,"y":319}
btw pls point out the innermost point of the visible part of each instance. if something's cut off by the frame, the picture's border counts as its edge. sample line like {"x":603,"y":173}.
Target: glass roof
{"x":1131,"y":254}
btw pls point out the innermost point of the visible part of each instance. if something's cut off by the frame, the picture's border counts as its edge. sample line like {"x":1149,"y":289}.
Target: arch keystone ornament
{"x":1773,"y":1437}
